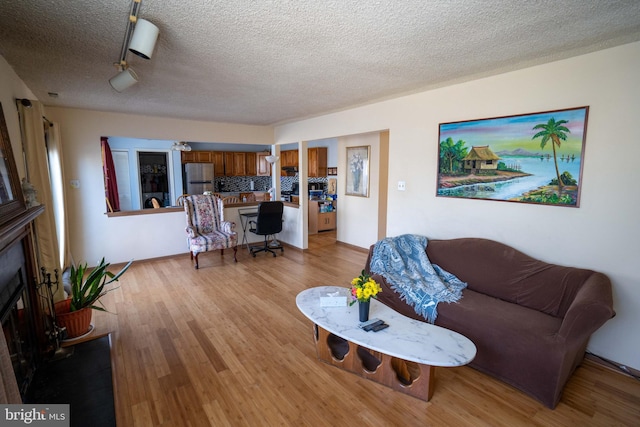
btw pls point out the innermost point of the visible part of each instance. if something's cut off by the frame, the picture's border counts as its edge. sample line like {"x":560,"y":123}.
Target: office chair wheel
{"x":274,"y":254}
{"x":254,"y":254}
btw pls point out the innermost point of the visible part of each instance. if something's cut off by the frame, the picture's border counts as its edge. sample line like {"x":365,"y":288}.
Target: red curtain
{"x":110,"y":183}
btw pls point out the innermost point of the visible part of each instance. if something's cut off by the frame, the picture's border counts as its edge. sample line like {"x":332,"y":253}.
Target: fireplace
{"x":17,"y":316}
{"x":20,"y":309}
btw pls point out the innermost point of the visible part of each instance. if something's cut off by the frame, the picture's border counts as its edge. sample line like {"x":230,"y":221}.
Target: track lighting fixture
{"x":140,"y":38}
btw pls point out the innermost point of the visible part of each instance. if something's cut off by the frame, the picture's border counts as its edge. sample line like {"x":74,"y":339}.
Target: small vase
{"x":363,"y":308}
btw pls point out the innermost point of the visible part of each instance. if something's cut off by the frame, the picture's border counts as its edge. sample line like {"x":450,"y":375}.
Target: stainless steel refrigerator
{"x":198,"y":177}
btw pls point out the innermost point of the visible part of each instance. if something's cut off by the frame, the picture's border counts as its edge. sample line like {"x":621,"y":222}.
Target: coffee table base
{"x":412,"y":378}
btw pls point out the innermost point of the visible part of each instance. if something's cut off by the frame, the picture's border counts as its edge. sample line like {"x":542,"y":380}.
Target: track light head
{"x":124,"y":79}
{"x":144,"y":38}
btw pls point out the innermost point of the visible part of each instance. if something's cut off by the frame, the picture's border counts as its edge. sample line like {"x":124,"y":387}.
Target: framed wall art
{"x":527,"y":158}
{"x":358,"y":171}
{"x":11,"y":200}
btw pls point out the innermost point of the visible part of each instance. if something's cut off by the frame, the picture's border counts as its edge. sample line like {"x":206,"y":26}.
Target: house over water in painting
{"x":480,"y":158}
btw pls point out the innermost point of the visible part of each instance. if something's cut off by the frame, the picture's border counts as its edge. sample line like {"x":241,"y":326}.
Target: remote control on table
{"x":370,"y":325}
{"x":379,"y":327}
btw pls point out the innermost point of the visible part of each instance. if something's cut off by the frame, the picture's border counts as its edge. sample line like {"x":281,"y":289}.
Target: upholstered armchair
{"x":206,"y":228}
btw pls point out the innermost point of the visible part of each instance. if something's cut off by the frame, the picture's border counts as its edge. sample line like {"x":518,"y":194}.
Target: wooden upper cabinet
{"x":196,"y":157}
{"x":203,"y":156}
{"x":317,"y":158}
{"x":289,"y":158}
{"x":188,"y":156}
{"x":217,"y":158}
{"x":250,"y":164}
{"x":264,"y":167}
{"x":228,"y":163}
{"x":239,"y":166}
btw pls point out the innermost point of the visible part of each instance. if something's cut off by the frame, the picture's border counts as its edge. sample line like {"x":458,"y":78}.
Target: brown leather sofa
{"x":530,"y":320}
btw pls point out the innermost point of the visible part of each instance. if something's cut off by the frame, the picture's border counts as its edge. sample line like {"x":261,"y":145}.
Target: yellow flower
{"x":363,"y":288}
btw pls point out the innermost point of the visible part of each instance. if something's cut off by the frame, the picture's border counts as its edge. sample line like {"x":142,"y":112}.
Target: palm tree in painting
{"x":451,"y":154}
{"x":556,"y":132}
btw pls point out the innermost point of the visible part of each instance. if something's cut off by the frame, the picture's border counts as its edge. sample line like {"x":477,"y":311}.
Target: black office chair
{"x":268,"y":222}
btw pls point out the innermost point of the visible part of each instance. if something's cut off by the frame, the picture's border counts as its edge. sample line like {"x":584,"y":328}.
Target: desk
{"x":245,"y":216}
{"x":402,"y":356}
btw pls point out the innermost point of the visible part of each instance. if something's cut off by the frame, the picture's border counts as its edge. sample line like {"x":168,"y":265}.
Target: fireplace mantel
{"x":15,"y":227}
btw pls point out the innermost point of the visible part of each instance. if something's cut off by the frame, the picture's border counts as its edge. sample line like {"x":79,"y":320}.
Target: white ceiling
{"x":264,"y":62}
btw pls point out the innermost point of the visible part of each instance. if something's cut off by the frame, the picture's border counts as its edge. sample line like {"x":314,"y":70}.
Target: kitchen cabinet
{"x":288,"y":158}
{"x":264,"y":167}
{"x":188,"y":156}
{"x":317,"y":159}
{"x":239,"y":166}
{"x":321,"y":221}
{"x":228,"y":163}
{"x":250,"y":164}
{"x":196,"y":157}
{"x":234,"y":163}
{"x":217,"y":157}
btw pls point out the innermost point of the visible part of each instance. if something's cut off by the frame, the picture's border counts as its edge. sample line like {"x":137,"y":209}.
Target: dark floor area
{"x":82,"y":380}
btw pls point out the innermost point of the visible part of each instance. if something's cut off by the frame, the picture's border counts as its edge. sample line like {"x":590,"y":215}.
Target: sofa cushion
{"x":498,"y":270}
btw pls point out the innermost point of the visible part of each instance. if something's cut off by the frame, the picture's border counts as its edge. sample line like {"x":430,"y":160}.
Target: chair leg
{"x":196,"y":258}
{"x":264,"y":248}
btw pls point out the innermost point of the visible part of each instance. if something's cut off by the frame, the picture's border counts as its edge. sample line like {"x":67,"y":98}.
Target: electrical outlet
{"x":402,"y":186}
{"x":75,"y":183}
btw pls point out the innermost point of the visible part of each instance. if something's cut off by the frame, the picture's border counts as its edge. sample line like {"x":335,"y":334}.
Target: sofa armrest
{"x":591,"y":308}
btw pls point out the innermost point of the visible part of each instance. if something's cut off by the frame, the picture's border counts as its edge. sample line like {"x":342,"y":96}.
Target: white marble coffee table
{"x":402,"y":356}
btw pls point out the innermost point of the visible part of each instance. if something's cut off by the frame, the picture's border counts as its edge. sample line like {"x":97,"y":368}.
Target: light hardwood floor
{"x":225,"y":345}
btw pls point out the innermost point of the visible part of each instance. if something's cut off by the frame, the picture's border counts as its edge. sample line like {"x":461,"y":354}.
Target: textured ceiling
{"x":264,"y":62}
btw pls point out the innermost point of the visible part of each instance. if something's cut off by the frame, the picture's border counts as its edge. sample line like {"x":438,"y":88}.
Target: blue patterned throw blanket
{"x":403,"y":262}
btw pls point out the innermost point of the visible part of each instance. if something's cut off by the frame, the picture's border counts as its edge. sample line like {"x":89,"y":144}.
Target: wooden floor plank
{"x":225,"y":345}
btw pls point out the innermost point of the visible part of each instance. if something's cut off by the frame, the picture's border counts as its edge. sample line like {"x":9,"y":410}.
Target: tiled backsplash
{"x":242,"y":183}
{"x":260,"y":183}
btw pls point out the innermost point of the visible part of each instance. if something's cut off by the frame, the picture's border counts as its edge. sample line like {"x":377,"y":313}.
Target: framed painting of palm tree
{"x":527,"y":158}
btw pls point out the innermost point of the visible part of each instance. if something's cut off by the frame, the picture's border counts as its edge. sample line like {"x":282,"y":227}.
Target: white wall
{"x":602,"y":234}
{"x":118,"y":239}
{"x":357,"y":216}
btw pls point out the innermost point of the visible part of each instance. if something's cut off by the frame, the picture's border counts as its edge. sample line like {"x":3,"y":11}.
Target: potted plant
{"x":74,"y":313}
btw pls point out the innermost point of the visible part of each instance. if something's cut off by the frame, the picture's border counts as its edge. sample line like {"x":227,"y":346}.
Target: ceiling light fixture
{"x":271,"y":158}
{"x":140,"y":38}
{"x":180,"y":146}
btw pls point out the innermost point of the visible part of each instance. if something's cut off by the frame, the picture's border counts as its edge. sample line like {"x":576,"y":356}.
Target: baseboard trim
{"x":354,"y":247}
{"x":612,"y":365}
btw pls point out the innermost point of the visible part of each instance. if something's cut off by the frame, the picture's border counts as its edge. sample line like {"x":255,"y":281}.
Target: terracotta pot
{"x":77,"y":322}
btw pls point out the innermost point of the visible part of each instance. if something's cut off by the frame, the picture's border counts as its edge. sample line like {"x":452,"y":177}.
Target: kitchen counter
{"x":180,"y":209}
